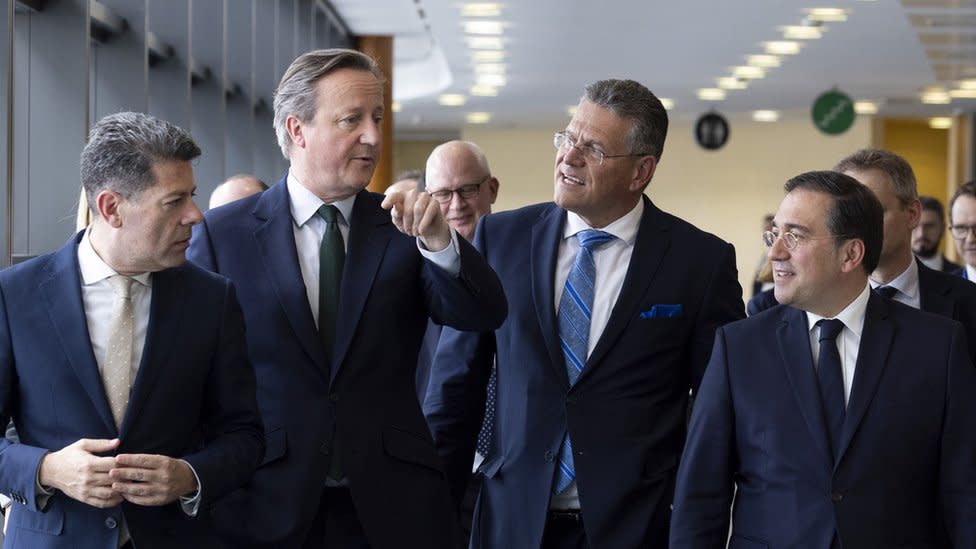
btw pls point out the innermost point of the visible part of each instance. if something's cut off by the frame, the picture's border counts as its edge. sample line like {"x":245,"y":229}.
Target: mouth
{"x":570,"y":180}
{"x":782,"y":273}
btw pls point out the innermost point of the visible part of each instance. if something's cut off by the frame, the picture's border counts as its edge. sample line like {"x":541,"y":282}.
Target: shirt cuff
{"x":448,"y":259}
{"x":191,"y":504}
{"x":41,"y":494}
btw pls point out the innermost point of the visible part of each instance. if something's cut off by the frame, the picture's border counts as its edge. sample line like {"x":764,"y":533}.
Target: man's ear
{"x":643,"y":173}
{"x":295,"y":130}
{"x":108,"y":205}
{"x":852,"y":255}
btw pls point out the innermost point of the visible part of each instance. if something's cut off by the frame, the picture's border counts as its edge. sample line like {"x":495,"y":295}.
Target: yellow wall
{"x":411,"y":155}
{"x":926,"y":149}
{"x":725,"y":192}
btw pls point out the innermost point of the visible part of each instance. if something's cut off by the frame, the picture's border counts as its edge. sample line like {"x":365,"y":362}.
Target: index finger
{"x":392,"y":199}
{"x":102,"y":464}
{"x":147,"y":461}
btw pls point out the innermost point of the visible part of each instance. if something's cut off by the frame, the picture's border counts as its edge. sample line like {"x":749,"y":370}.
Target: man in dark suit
{"x":123,"y":368}
{"x":823,"y":418}
{"x":962,"y":227}
{"x":624,"y":294}
{"x":927,"y":236}
{"x":336,"y":294}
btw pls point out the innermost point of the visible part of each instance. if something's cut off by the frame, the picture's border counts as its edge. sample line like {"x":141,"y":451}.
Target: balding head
{"x":236,"y":188}
{"x":459,"y":178}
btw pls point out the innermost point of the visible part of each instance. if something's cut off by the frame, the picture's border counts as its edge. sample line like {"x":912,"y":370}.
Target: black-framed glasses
{"x":791,"y":240}
{"x":960,"y":232}
{"x":564,"y":142}
{"x":464,"y":191}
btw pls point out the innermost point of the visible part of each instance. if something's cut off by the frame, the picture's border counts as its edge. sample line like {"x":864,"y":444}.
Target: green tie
{"x":332,"y":255}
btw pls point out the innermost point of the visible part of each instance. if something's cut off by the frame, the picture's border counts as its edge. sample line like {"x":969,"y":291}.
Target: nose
{"x":193,"y":214}
{"x":572,"y":154}
{"x":778,"y":251}
{"x":457,"y":203}
{"x":371,"y":134}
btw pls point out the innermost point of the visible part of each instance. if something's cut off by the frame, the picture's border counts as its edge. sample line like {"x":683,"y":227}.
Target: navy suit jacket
{"x":193,"y":398}
{"x":628,"y":410}
{"x":366,"y":390}
{"x":903,"y":475}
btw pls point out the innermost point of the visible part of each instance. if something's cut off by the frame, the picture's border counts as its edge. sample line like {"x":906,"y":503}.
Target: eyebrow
{"x":792,"y":227}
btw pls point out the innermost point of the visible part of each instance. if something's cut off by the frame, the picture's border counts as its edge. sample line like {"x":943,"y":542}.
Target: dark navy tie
{"x":887,"y":292}
{"x":830,"y":374}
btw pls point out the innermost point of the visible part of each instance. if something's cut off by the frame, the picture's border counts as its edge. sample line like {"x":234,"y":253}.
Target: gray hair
{"x":296,"y":94}
{"x":894,"y":166}
{"x":122,"y":149}
{"x":632,"y":101}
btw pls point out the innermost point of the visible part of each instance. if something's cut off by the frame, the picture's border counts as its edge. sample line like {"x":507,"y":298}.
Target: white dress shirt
{"x":970,"y":273}
{"x":849,"y":340}
{"x":907,"y":285}
{"x":612,"y":262}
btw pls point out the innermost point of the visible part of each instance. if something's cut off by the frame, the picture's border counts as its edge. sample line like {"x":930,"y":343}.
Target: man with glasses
{"x":823,"y":421}
{"x":962,"y":219}
{"x":613,"y":307}
{"x":927,"y":236}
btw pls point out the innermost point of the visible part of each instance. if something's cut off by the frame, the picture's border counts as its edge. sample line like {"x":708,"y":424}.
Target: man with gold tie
{"x":123,"y":368}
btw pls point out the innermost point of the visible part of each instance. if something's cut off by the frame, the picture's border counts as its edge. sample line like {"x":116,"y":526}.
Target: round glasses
{"x":791,"y":240}
{"x":960,"y":232}
{"x":565,"y":142}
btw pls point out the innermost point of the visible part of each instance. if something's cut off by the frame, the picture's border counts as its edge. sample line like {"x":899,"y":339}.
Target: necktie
{"x":332,"y":256}
{"x":886,"y":292}
{"x":117,"y":368}
{"x":831,"y":378}
{"x":574,"y":331}
{"x":485,"y":441}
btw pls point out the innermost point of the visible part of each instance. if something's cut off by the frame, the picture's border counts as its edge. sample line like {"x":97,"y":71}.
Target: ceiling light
{"x":765,"y":116}
{"x":940,"y":122}
{"x":826,"y":15}
{"x":489,"y":68}
{"x":732,"y":83}
{"x":800,"y":32}
{"x":782,"y":47}
{"x":745,"y":71}
{"x":477,"y":117}
{"x":451,"y":99}
{"x":967,"y":84}
{"x":483,"y":27}
{"x":396,"y":106}
{"x":865,"y":107}
{"x":962,"y":94}
{"x":668,"y":104}
{"x":711,"y":94}
{"x":762,"y":61}
{"x":496,"y":80}
{"x":485,"y":43}
{"x":481,"y":9}
{"x":571,"y":110}
{"x":483,"y":91}
{"x":487,"y":56}
{"x":935,"y":96}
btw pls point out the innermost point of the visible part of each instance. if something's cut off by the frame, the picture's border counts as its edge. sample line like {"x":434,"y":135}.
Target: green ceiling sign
{"x":833,"y":113}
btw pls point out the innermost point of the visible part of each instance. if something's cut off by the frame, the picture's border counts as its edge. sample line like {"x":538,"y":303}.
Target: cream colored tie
{"x":117,"y":370}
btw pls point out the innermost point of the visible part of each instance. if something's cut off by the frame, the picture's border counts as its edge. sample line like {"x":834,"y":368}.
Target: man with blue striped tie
{"x":613,"y":306}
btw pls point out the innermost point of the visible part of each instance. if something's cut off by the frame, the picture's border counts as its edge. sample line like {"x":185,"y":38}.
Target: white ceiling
{"x":555,"y":47}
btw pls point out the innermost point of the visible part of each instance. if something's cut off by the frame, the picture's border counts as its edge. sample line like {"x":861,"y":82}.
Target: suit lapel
{"x":276,"y":244}
{"x":546,"y":235}
{"x":793,"y":337}
{"x":932,"y":295}
{"x":62,"y":292}
{"x":651,"y":244}
{"x":367,"y":245}
{"x":872,"y":356}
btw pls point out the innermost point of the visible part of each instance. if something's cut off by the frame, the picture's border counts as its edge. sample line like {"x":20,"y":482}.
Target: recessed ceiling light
{"x":489,"y":68}
{"x":782,"y":47}
{"x":481,"y":9}
{"x":940,"y":122}
{"x":396,"y":106}
{"x":967,"y":84}
{"x":496,"y":80}
{"x":483,"y":91}
{"x":485,"y":43}
{"x":865,"y":107}
{"x":765,"y":116}
{"x":477,"y":117}
{"x":488,"y":56}
{"x":451,"y":99}
{"x":494,"y":28}
{"x":763,"y":61}
{"x":962,"y":94}
{"x":800,"y":32}
{"x":668,"y":104}
{"x":711,"y":94}
{"x":827,"y":15}
{"x":732,"y":83}
{"x":935,"y":96}
{"x":745,"y":71}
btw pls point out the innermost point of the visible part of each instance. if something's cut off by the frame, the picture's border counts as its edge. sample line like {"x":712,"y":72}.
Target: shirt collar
{"x":624,"y":228}
{"x":906,"y":282}
{"x":94,"y":269}
{"x":304,"y":203}
{"x":852,"y":316}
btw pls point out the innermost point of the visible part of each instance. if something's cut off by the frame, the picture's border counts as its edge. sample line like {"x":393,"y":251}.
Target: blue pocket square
{"x":663,"y":311}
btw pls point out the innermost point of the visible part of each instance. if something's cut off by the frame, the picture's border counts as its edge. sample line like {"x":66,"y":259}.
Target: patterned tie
{"x":831,"y":378}
{"x":332,"y":256}
{"x":574,"y":332}
{"x":485,"y":441}
{"x":886,"y":292}
{"x":117,"y":368}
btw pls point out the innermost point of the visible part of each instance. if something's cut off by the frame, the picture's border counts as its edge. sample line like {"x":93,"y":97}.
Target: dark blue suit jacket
{"x":193,"y":398}
{"x":627,"y":412}
{"x":366,"y":390}
{"x":907,"y":448}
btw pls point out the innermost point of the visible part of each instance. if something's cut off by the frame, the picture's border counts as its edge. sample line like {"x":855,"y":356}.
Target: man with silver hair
{"x":336,"y":293}
{"x":123,"y":367}
{"x":614,"y":305}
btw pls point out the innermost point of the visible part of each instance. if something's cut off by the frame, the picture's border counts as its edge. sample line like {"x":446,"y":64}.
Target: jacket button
{"x":549,"y":456}
{"x":326,"y":449}
{"x":836,"y":496}
{"x":110,"y":522}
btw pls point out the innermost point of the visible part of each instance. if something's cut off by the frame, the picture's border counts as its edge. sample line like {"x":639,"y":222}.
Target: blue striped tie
{"x":574,"y":331}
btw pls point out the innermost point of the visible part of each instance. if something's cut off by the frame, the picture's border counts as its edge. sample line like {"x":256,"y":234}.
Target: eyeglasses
{"x":464,"y":191}
{"x":791,"y":240}
{"x":960,"y":232}
{"x":565,"y":142}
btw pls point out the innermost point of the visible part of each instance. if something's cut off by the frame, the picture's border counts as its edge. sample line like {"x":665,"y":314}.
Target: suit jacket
{"x":426,"y":358}
{"x":938,"y":292}
{"x":949,"y":267}
{"x":903,"y":475}
{"x":366,"y":391}
{"x":626,"y":414}
{"x":192,"y":398}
